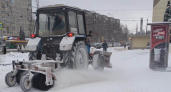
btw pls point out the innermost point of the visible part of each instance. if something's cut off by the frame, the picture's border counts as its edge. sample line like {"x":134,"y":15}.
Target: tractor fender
{"x":66,"y":43}
{"x":32,"y":44}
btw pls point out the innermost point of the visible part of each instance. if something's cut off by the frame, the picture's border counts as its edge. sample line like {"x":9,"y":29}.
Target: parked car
{"x":97,"y":45}
{"x":109,"y":44}
{"x":117,"y":44}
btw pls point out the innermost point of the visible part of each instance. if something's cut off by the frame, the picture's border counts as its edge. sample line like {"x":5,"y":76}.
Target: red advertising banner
{"x":158,"y":35}
{"x":159,"y":46}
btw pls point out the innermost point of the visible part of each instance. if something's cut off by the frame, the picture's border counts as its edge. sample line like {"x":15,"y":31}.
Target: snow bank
{"x":9,"y":57}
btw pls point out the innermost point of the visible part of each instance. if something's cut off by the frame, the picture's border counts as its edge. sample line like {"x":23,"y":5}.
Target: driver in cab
{"x":58,"y":23}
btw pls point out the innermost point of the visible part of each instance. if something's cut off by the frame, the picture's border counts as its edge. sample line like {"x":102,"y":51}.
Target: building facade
{"x":15,"y":16}
{"x":139,"y":41}
{"x":103,"y":27}
{"x":159,"y":7}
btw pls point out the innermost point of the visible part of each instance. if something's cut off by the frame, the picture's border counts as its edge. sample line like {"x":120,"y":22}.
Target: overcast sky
{"x":128,"y":11}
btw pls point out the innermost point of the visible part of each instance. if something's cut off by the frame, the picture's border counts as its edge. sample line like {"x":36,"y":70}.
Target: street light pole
{"x":37,"y":2}
{"x":146,"y":27}
{"x":1,"y":35}
{"x":1,"y":27}
{"x":136,"y":28}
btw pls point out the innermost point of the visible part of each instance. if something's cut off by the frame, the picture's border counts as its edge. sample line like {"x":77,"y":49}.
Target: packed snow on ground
{"x":130,"y":73}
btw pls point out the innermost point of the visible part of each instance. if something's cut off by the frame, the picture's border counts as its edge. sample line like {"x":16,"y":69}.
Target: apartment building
{"x":103,"y":27}
{"x":15,"y":16}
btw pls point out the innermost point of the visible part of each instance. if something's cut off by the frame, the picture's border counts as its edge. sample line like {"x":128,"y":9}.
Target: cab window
{"x":52,"y":24}
{"x":81,"y":24}
{"x":72,"y":22}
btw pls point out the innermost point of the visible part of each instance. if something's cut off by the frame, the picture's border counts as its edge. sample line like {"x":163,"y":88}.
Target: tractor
{"x":59,"y":41}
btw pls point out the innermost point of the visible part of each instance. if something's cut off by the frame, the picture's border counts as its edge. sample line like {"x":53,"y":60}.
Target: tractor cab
{"x":59,"y":20}
{"x":56,"y":22}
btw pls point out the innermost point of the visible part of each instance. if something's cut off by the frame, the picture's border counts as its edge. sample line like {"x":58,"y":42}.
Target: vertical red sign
{"x":159,"y":46}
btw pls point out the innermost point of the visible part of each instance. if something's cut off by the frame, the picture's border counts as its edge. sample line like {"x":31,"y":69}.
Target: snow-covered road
{"x":130,"y":73}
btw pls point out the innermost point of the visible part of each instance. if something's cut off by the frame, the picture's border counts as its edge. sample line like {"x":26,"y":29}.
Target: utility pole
{"x":136,"y":28}
{"x":141,"y":25}
{"x":1,"y":27}
{"x":1,"y":35}
{"x":146,"y":26}
{"x":37,"y":2}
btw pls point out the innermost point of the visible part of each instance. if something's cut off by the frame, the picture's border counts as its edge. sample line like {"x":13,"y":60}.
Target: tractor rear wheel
{"x":77,"y":58}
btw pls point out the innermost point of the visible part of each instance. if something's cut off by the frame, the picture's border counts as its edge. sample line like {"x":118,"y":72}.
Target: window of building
{"x":8,"y":30}
{"x":12,"y":1}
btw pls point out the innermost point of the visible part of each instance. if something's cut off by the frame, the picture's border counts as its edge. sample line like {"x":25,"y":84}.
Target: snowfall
{"x":130,"y":73}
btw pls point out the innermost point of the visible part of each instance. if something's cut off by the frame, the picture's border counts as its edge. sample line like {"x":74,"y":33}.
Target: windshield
{"x":52,"y":24}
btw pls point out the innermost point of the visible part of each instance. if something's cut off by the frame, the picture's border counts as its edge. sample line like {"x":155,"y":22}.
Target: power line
{"x":45,"y":1}
{"x":125,"y":10}
{"x":134,"y":17}
{"x":42,"y":3}
{"x":134,"y":20}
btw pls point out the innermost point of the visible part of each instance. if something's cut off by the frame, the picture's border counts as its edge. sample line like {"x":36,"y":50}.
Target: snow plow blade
{"x":107,"y":56}
{"x":101,"y":59}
